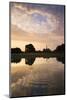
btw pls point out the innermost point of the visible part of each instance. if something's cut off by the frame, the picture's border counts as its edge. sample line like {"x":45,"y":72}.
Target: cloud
{"x":17,"y":33}
{"x":33,"y":20}
{"x":37,"y":23}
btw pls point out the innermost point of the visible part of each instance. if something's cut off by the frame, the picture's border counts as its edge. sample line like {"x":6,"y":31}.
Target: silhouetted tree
{"x":29,"y":48}
{"x":60,"y":48}
{"x":15,"y":58}
{"x":16,"y":50}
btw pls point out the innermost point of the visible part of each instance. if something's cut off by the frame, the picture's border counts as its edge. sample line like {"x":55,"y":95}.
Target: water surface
{"x":41,"y":77}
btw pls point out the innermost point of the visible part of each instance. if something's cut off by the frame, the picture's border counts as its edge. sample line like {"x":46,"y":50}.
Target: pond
{"x":37,"y":77}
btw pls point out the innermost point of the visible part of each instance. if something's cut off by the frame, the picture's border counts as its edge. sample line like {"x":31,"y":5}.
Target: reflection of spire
{"x":46,"y":59}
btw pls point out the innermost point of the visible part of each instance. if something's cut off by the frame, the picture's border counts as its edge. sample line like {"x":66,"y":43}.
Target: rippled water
{"x":43,"y":77}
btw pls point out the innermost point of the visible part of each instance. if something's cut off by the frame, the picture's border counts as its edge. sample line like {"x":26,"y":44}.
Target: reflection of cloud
{"x":21,"y":76}
{"x":24,"y":77}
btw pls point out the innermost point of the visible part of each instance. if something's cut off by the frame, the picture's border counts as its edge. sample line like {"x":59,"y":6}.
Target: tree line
{"x":30,"y":48}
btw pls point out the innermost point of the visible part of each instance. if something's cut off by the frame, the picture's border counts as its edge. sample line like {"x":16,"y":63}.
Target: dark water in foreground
{"x":43,"y":77}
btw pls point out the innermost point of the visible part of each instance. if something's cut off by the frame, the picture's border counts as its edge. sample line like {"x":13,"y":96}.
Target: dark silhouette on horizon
{"x":16,"y":50}
{"x":60,"y":48}
{"x":29,"y":48}
{"x":47,"y":50}
{"x":30,"y":54}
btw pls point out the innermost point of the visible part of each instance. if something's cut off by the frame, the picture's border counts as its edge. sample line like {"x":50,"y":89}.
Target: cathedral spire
{"x":46,"y":46}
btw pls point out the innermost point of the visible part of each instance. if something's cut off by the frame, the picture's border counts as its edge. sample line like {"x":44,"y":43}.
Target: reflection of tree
{"x":15,"y":58}
{"x":29,"y":60}
{"x":61,"y":59}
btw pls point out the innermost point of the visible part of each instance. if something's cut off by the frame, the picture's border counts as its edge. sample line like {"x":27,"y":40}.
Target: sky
{"x":39,"y":24}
